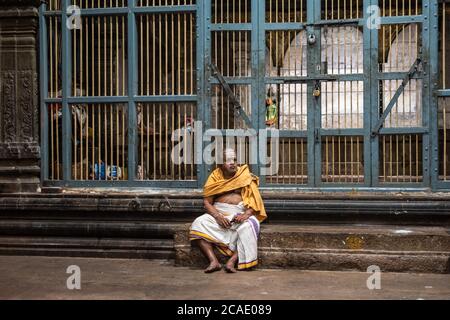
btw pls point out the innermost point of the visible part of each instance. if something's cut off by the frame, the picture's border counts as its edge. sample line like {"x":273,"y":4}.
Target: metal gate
{"x":349,"y":84}
{"x":351,"y":92}
{"x":119,"y":79}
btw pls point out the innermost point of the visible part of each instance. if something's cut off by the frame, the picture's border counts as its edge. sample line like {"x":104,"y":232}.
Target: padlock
{"x":316,"y":92}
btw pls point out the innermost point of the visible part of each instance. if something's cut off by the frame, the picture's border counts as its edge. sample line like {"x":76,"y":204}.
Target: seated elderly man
{"x":234,"y":213}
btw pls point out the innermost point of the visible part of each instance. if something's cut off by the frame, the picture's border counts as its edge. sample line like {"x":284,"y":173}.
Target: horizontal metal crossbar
{"x":443,"y":93}
{"x":335,"y":22}
{"x":126,"y":10}
{"x":312,"y":78}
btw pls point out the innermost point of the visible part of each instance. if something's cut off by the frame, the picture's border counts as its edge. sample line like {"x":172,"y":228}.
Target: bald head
{"x":229,"y":154}
{"x":229,"y":166}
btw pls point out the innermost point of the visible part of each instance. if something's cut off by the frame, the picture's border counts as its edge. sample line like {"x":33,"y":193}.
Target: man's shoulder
{"x":246,"y":167}
{"x":216,"y":175}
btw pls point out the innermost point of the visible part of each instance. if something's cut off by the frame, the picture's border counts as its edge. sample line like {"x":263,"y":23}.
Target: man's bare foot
{"x":229,"y":268}
{"x":213,"y":267}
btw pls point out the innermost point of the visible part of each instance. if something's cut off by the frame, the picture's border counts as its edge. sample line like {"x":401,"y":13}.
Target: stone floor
{"x":28,"y":277}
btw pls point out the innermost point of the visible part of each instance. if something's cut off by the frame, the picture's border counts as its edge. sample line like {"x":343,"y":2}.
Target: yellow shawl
{"x":245,"y":180}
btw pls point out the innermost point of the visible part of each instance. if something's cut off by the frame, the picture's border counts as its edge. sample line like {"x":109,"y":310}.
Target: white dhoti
{"x":242,"y":237}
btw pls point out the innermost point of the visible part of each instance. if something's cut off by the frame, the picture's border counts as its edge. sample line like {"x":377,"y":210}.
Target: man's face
{"x":230,"y":165}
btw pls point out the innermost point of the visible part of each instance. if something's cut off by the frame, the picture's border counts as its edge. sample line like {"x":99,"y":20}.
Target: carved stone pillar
{"x":19,"y":96}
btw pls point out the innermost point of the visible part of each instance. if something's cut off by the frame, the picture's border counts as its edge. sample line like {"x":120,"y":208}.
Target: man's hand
{"x":244,"y":217}
{"x":222,"y":221}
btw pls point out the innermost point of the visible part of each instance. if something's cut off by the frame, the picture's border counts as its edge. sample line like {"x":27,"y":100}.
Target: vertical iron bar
{"x":43,"y":63}
{"x":132,"y":91}
{"x":66,"y":71}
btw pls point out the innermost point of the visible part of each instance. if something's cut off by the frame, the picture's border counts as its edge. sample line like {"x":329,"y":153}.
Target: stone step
{"x":361,"y":260}
{"x":89,"y":238}
{"x":88,"y":247}
{"x":355,"y":237}
{"x":338,"y":248}
{"x":91,"y":228}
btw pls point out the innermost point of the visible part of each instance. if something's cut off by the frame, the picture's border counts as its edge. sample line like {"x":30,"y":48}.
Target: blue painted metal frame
{"x":261,"y":84}
{"x":434,"y":95}
{"x":371,"y":154}
{"x":313,"y":57}
{"x":252,"y":80}
{"x":360,"y":132}
{"x":206,"y":19}
{"x":370,"y":77}
{"x":371,"y":98}
{"x":257,"y":58}
{"x":443,"y":93}
{"x":131,"y":98}
{"x":377,"y":76}
{"x":263,"y":80}
{"x":396,"y":96}
{"x":258,"y":81}
{"x":201,"y":86}
{"x":427,"y":92}
{"x":314,"y":74}
{"x":66,"y":72}
{"x":132,"y":91}
{"x":314,"y":25}
{"x":43,"y":76}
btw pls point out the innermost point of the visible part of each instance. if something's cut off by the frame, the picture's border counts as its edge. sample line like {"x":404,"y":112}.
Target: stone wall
{"x":19,"y":96}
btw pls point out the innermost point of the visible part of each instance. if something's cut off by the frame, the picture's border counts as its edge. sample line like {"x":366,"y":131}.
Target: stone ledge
{"x":88,"y":247}
{"x":88,"y":253}
{"x":193,"y":203}
{"x":92,"y":228}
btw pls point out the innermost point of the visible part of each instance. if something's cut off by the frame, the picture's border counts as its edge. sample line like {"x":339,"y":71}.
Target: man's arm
{"x":221,"y":220}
